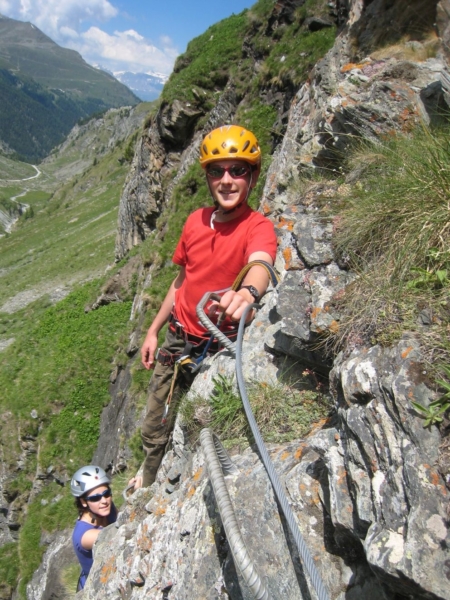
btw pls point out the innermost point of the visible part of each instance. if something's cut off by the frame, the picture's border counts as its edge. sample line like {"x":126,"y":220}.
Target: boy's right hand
{"x":148,"y":351}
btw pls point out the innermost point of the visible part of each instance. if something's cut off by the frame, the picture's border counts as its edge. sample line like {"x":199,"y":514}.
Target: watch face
{"x":253,"y":291}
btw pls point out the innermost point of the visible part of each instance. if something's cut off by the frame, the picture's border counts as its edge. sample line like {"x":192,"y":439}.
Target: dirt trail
{"x":38,"y":174}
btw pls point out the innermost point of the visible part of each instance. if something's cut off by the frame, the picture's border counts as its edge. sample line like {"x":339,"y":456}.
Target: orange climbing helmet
{"x":230,"y":141}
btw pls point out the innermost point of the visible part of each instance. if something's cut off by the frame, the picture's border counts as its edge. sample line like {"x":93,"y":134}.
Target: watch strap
{"x":253,"y":291}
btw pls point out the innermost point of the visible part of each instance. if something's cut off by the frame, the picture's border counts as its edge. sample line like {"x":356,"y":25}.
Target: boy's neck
{"x":224,"y":217}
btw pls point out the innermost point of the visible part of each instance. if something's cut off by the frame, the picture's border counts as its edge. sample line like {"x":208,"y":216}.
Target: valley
{"x":65,"y":211}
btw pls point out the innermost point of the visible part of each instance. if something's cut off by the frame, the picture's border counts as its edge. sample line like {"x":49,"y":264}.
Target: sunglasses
{"x":217,"y":172}
{"x":98,"y":497}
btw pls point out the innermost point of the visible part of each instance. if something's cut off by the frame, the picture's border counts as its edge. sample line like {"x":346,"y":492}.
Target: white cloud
{"x":133,"y":34}
{"x":68,"y":32}
{"x":53,"y":15}
{"x":124,"y":50}
{"x":73,"y":24}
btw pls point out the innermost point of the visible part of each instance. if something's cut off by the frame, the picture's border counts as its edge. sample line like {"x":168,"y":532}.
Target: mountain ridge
{"x":41,"y":103}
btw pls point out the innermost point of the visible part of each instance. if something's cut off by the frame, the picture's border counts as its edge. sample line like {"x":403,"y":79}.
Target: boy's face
{"x":230,"y":181}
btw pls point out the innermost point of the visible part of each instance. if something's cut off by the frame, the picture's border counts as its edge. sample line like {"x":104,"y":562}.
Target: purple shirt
{"x":85,"y":557}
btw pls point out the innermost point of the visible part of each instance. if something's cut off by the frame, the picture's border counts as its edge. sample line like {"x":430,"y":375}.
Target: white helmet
{"x":86,"y":479}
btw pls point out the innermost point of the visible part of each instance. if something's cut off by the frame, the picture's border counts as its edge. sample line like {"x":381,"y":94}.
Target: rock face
{"x":395,"y":491}
{"x":47,"y":583}
{"x":366,"y":487}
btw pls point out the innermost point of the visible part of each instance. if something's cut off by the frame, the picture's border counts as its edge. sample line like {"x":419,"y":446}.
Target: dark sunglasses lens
{"x":98,"y":497}
{"x":238,"y":171}
{"x":215,"y":172}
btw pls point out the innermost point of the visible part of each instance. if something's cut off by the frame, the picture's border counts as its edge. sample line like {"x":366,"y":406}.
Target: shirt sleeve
{"x":262,"y":238}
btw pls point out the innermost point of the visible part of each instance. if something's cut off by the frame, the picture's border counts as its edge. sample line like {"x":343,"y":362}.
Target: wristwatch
{"x":253,"y":291}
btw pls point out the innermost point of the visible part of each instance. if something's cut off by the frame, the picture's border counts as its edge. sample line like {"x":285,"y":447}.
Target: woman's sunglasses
{"x":97,"y":497}
{"x":217,"y":172}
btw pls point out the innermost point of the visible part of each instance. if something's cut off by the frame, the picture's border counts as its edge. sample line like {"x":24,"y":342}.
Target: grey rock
{"x":47,"y":583}
{"x":316,"y":23}
{"x":175,"y":121}
{"x":313,"y":237}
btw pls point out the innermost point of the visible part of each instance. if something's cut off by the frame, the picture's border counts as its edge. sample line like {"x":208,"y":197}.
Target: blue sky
{"x":124,"y":35}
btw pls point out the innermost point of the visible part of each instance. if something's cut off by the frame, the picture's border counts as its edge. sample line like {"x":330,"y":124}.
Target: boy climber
{"x":216,"y":243}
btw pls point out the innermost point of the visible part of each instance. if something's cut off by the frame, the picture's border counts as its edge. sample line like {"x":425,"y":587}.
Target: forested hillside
{"x":40,"y":103}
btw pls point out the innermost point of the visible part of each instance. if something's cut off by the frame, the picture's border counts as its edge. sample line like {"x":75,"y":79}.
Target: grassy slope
{"x":71,"y":236}
{"x":11,"y":169}
{"x":393,"y":231}
{"x":62,"y":356}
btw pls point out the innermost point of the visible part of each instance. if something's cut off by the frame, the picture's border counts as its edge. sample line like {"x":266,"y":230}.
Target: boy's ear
{"x":256,"y":170}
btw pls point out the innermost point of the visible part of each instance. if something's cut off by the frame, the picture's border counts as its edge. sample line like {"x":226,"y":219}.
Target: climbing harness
{"x":195,"y":340}
{"x":166,"y":358}
{"x":185,"y":360}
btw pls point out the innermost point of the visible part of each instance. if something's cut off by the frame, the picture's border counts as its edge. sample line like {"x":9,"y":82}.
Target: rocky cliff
{"x":370,"y":486}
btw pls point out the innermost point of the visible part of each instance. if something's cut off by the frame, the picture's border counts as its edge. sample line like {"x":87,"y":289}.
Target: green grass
{"x":291,"y":50}
{"x":9,"y":568}
{"x":59,"y":367}
{"x":283,"y":67}
{"x":205,"y":64}
{"x":69,"y":579}
{"x":282,"y":412}
{"x":393,"y":232}
{"x":12,"y":169}
{"x":404,"y":198}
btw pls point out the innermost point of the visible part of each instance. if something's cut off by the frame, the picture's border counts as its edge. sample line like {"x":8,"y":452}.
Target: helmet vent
{"x":233,"y":150}
{"x":215,"y":151}
{"x":205,"y":149}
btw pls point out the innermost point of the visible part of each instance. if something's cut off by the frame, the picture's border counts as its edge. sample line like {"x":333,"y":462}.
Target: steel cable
{"x":217,"y":460}
{"x":276,"y":483}
{"x":236,"y":349}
